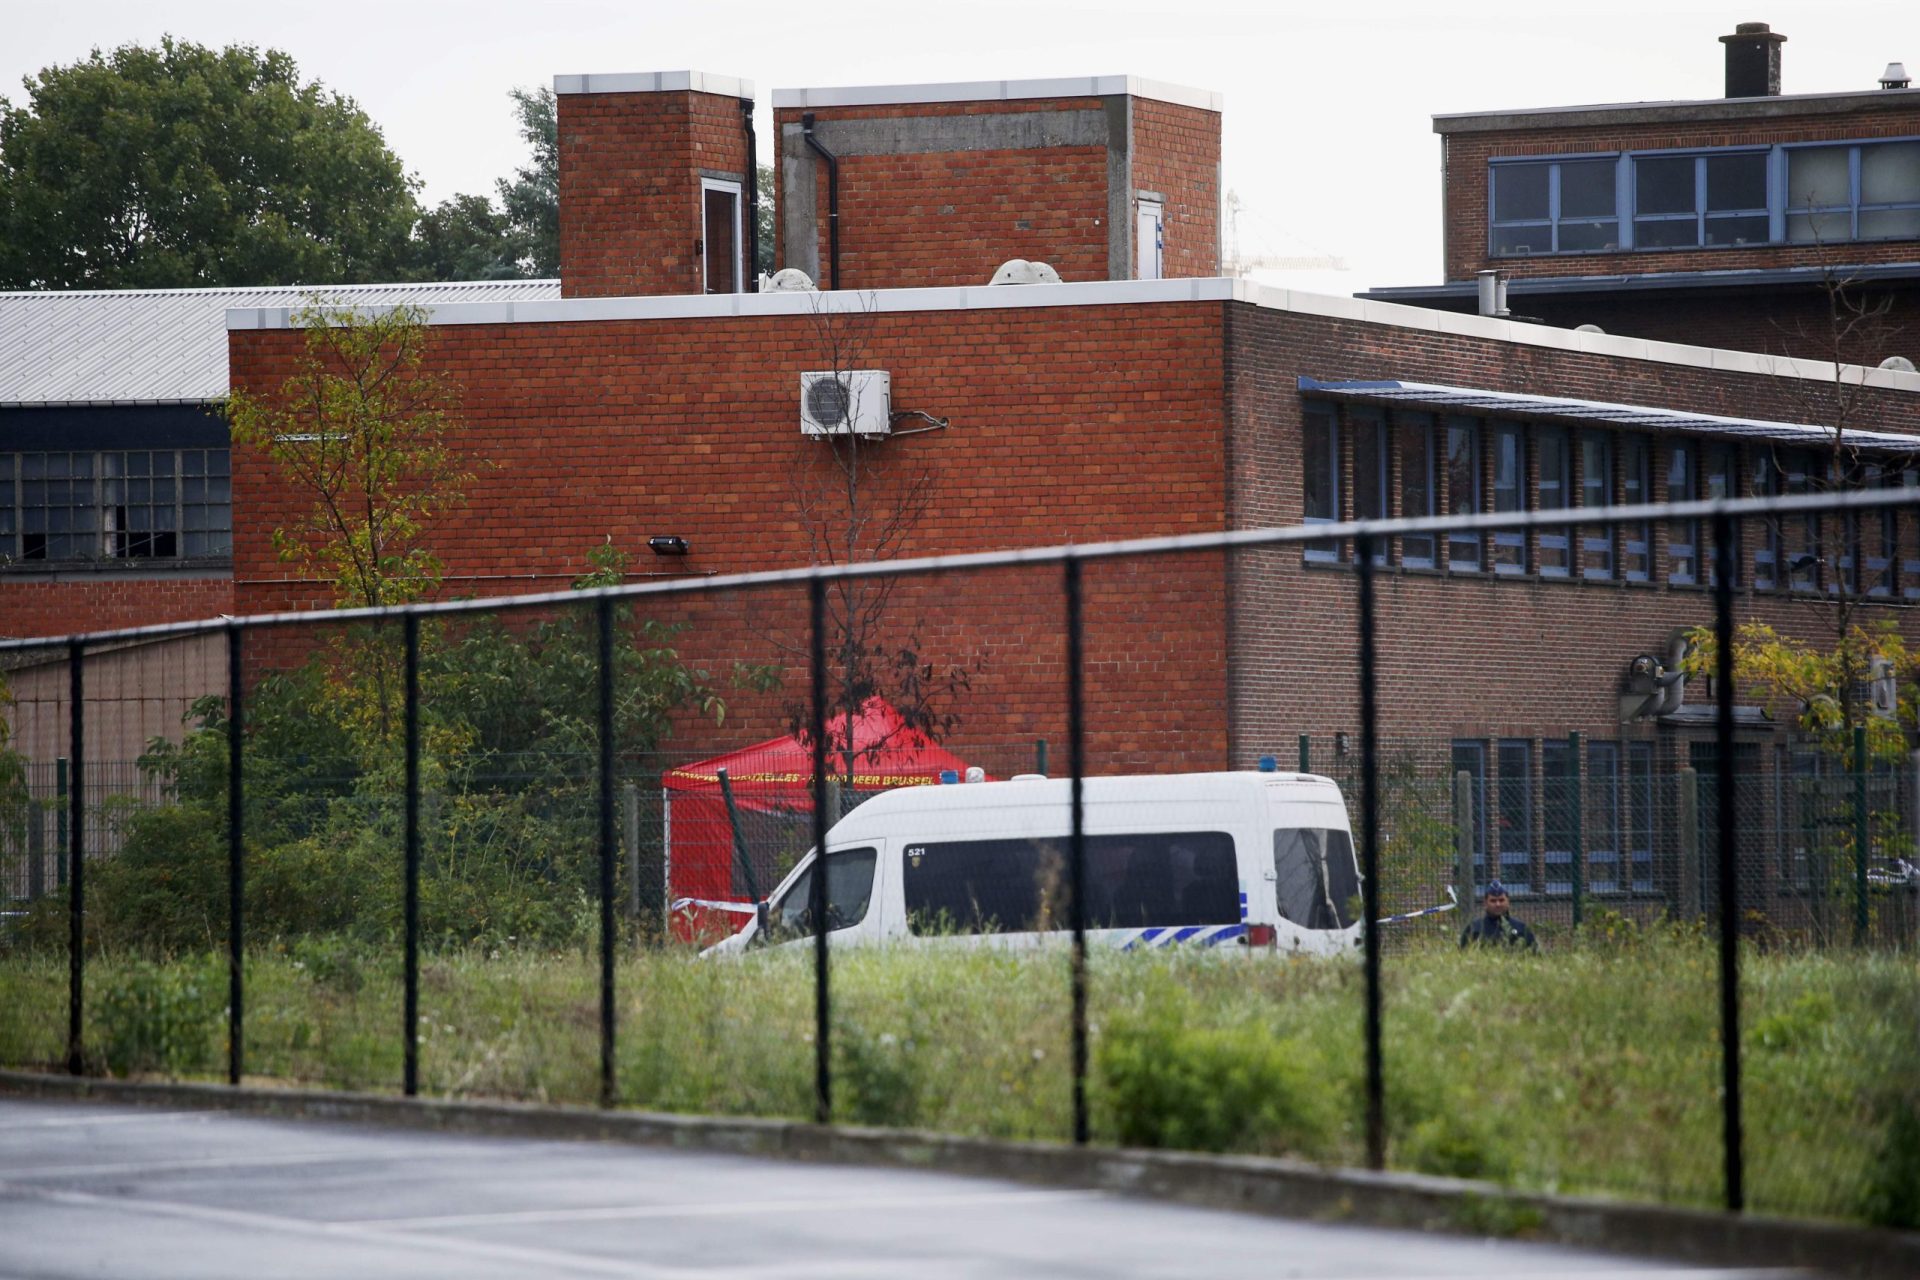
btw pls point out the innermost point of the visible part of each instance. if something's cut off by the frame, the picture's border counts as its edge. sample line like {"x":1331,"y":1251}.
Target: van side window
{"x":1315,"y":878}
{"x":849,"y":889}
{"x":1021,"y":885}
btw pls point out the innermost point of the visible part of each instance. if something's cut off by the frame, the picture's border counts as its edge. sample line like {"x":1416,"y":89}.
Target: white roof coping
{"x":1121,"y":293}
{"x":1775,"y":104}
{"x":656,"y":82}
{"x":884,"y":95}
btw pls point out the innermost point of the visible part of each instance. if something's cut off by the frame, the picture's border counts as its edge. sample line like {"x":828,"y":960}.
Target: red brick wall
{"x":1095,"y":423}
{"x":952,"y":217}
{"x":30,"y":607}
{"x":1465,"y":214}
{"x":1468,"y":655}
{"x":630,"y":167}
{"x":1176,"y":151}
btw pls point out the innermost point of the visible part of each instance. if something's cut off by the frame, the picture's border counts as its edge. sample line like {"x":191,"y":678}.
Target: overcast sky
{"x":1328,"y":137}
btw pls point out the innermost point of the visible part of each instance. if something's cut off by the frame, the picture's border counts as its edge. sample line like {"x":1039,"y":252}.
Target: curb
{"x":1258,"y":1184}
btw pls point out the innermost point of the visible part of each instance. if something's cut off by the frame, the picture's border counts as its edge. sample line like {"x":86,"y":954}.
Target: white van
{"x":1250,"y":859}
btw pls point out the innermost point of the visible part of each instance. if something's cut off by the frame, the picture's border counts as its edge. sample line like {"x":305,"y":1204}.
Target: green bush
{"x":163,"y":1019}
{"x":1239,"y":1087}
{"x":1893,"y":1187}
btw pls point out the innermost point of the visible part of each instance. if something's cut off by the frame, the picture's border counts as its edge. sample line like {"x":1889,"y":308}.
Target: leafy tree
{"x":531,"y":198}
{"x":363,"y":431}
{"x":182,"y":165}
{"x":467,"y":238}
{"x":763,"y":219}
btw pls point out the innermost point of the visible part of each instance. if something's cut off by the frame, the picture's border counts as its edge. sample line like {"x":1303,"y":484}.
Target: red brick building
{"x":1720,"y":221}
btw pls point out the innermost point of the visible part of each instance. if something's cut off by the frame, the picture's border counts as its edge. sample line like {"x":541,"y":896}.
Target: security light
{"x":668,"y":544}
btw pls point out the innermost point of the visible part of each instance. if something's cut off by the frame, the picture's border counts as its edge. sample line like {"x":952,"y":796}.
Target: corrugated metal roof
{"x":169,"y":346}
{"x":1426,"y":395}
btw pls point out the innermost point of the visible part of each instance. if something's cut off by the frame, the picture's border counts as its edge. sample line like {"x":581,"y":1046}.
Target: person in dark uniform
{"x":1496,"y":927}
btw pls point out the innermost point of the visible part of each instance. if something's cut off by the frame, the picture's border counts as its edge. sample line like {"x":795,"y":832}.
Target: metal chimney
{"x":1895,"y":76}
{"x":1753,"y":61}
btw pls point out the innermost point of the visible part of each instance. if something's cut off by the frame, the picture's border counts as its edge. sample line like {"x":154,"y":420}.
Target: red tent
{"x":772,"y":786}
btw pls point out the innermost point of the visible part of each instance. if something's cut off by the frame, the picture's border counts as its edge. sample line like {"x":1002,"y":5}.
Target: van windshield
{"x":849,"y":889}
{"x":1021,"y":885}
{"x":1315,"y":879}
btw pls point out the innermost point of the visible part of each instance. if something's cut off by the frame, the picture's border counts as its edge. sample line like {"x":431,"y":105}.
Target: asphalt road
{"x":94,"y":1189}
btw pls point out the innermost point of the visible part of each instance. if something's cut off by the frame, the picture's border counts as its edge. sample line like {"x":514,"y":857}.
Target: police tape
{"x":738,"y":908}
{"x":1450,"y":905}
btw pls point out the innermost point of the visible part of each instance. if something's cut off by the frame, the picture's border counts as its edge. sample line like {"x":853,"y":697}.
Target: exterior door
{"x":720,"y":235}
{"x":1149,"y":239}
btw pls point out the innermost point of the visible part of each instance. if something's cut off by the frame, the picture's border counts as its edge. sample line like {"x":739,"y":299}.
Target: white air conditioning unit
{"x":852,"y":402}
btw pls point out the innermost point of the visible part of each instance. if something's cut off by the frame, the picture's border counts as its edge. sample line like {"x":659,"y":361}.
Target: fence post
{"x":607,"y":849}
{"x":410,"y":1046}
{"x":630,"y":828}
{"x":1724,"y":763}
{"x":817,"y":889}
{"x":62,"y":821}
{"x":1578,"y":801}
{"x":236,"y":862}
{"x":1076,"y":844}
{"x":1463,"y":840}
{"x":36,"y":842}
{"x":1370,"y":853}
{"x":1862,"y":836}
{"x":76,"y":785}
{"x":1686,"y":781}
{"x":1306,"y":753}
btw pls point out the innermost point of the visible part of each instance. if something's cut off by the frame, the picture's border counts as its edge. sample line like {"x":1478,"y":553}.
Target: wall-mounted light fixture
{"x":668,"y":544}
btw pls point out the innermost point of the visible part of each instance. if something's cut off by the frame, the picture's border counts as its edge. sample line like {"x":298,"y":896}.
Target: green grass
{"x":1594,"y":1068}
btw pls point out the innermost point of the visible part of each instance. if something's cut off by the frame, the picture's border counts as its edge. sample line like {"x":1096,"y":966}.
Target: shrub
{"x":1893,"y":1188}
{"x":161,"y":1018}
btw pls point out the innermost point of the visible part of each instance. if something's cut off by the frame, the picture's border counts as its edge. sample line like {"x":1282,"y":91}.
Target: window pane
{"x":1822,"y":228}
{"x":1416,"y":490}
{"x":1509,"y":494}
{"x":1369,"y":468}
{"x":1578,"y":236}
{"x":1519,"y":192}
{"x":1470,"y":758}
{"x":1516,"y":814}
{"x":1745,"y":230}
{"x":849,"y":889}
{"x":1663,"y":184}
{"x":1315,"y":878}
{"x":1526,"y":238}
{"x":1737,"y":181}
{"x":1665,"y":233}
{"x":1556,"y":494}
{"x":1596,"y":487}
{"x":1320,"y":476}
{"x":1558,"y":784}
{"x":1586,"y":188}
{"x":1640,"y":814}
{"x":1817,"y":176}
{"x":1463,"y":491}
{"x":1681,"y":563}
{"x":1890,"y":224}
{"x":1890,"y":173}
{"x":1637,"y":488}
{"x":1602,"y":817}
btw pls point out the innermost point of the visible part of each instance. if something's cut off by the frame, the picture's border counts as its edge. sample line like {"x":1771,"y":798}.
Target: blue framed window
{"x":1683,"y":552}
{"x":1320,"y":475}
{"x":1766,"y":556}
{"x":1686,"y":201}
{"x":1603,"y":817}
{"x":1722,"y":476}
{"x":1560,"y":794}
{"x":1470,"y":758}
{"x":1596,"y":490}
{"x":1800,"y":535}
{"x":1910,"y":543}
{"x":1463,"y":492}
{"x":1857,"y":191}
{"x":1830,"y":192}
{"x":1880,"y":541}
{"x":1419,"y":494}
{"x":1516,"y":814}
{"x":1509,"y":495}
{"x":1639,"y":825}
{"x":1368,"y":430}
{"x":1636,"y":489}
{"x":1554,"y":206}
{"x":1556,"y":494}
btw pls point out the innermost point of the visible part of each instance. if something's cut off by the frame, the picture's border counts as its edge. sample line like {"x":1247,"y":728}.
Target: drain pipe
{"x":750,"y":275}
{"x":833,"y":199}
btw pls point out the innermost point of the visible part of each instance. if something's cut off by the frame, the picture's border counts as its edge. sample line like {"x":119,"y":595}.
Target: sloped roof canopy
{"x":1507,"y":404}
{"x":169,"y":346}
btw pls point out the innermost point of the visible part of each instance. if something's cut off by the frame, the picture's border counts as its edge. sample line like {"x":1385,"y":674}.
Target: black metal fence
{"x":477,"y":867}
